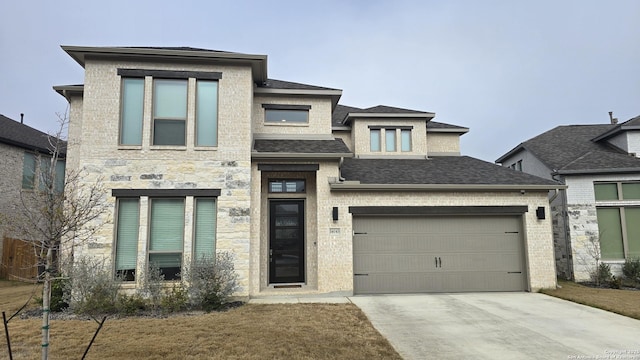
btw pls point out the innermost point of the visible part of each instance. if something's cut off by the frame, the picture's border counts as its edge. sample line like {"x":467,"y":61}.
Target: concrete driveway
{"x":499,"y":326}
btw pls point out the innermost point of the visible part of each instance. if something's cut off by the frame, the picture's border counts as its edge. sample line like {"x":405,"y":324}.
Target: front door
{"x":286,"y":241}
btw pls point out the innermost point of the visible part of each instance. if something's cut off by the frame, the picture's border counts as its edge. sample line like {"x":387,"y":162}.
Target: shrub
{"x":631,"y":269}
{"x":130,"y":304}
{"x":93,"y":289}
{"x":212,"y":281}
{"x":152,"y":284}
{"x":175,"y":299}
{"x":602,"y":274}
{"x":60,"y":289}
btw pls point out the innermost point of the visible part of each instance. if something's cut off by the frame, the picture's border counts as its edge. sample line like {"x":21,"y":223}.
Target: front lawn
{"x":624,"y":302}
{"x":281,"y":331}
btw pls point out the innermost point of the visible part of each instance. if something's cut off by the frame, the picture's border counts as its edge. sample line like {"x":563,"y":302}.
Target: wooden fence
{"x":18,"y":261}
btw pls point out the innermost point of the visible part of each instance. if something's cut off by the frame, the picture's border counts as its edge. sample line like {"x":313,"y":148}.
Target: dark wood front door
{"x":286,"y":241}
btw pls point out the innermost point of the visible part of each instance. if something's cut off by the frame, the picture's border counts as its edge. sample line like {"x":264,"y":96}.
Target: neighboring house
{"x":202,"y":152}
{"x":21,"y":149}
{"x":598,"y":215}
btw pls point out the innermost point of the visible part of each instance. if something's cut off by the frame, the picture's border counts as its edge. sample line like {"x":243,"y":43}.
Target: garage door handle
{"x":359,"y":233}
{"x":514,"y":272}
{"x":512,"y":232}
{"x":360,"y":274}
{"x":438,"y":261}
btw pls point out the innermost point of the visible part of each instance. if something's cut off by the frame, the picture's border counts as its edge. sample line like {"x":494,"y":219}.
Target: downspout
{"x":340,"y":178}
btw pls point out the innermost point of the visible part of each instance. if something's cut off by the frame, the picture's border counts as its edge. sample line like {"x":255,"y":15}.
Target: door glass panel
{"x":287,"y":242}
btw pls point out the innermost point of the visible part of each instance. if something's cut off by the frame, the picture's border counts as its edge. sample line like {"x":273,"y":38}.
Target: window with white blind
{"x":205,"y":228}
{"x":127,"y":226}
{"x":166,"y":236}
{"x":166,"y":232}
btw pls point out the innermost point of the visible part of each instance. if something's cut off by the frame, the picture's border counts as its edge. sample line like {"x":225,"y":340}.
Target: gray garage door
{"x":413,"y":254}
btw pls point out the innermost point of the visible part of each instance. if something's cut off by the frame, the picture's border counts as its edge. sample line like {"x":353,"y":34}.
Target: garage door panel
{"x":475,"y":253}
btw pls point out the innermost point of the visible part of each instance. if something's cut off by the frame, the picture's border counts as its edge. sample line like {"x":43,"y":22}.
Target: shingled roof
{"x":572,"y":149}
{"x":444,"y":170}
{"x":280,"y":84}
{"x":336,"y":146}
{"x":23,"y":136}
{"x":341,"y":111}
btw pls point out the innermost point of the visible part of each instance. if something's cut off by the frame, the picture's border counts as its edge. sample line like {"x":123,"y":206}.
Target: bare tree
{"x":57,"y":215}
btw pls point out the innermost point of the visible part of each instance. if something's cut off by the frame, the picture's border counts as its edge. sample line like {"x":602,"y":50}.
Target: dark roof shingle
{"x":458,"y":170}
{"x":288,"y":85}
{"x":14,"y":133}
{"x":336,"y":146}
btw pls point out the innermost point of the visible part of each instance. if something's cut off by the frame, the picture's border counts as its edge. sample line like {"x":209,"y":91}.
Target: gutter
{"x":595,"y":171}
{"x":357,"y":186}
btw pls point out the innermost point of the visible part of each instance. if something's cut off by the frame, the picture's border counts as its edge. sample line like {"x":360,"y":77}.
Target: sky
{"x":508,"y":70}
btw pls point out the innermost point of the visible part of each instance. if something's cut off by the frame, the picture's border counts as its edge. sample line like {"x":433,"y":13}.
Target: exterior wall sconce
{"x":335,"y":213}
{"x":540,"y":213}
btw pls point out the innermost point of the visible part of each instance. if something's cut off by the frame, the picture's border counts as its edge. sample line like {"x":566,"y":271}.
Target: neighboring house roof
{"x":23,"y":136}
{"x":336,"y":148}
{"x":441,"y":170}
{"x":572,"y":150}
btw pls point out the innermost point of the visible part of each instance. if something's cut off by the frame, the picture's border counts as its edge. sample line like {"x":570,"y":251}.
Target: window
{"x":405,"y":140}
{"x":29,"y":171}
{"x":166,"y":235}
{"x":286,"y":116}
{"x":390,"y":139}
{"x":286,"y":186}
{"x":375,"y":139}
{"x":169,"y":111}
{"x":206,"y":113}
{"x":166,"y":226}
{"x":618,"y":226}
{"x":519,"y":165}
{"x":205,"y":228}
{"x":131,"y":112}
{"x":127,"y":227}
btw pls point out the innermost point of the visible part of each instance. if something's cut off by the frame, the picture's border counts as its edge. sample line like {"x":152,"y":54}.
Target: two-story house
{"x":23,"y":155}
{"x":598,"y":216}
{"x":201,"y":151}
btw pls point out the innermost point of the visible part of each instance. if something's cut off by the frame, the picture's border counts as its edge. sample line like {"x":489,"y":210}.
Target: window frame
{"x":284,"y":186}
{"x":29,"y":182}
{"x":623,"y":206}
{"x":154,"y":110}
{"x":408,"y":141}
{"x":123,"y":105}
{"x":127,"y":277}
{"x":300,"y":109}
{"x":390,"y":140}
{"x":151,"y":252}
{"x":196,"y":200}
{"x":377,"y":141}
{"x":198,"y":111}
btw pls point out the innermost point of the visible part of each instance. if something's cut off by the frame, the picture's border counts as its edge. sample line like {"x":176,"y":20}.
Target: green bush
{"x":130,"y":304}
{"x":212,"y":281}
{"x":93,"y":289}
{"x":175,"y":299}
{"x":59,"y":294}
{"x":603,"y":274}
{"x":631,"y":269}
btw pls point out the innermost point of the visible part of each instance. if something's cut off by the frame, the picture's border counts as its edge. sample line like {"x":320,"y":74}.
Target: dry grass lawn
{"x":623,"y":302}
{"x":283,"y":331}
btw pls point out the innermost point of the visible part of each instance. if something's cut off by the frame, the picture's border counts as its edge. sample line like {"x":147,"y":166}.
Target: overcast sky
{"x":508,"y":70}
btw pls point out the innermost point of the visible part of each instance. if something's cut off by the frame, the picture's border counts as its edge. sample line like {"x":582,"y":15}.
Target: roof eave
{"x":334,"y":94}
{"x":295,"y":156}
{"x":347,"y":119}
{"x":510,"y":153}
{"x":68,"y":91}
{"x":597,"y":171}
{"x":449,"y":130}
{"x":357,"y":186}
{"x":258,"y":62}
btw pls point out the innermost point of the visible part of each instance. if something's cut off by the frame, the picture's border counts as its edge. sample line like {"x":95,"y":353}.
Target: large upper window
{"x":169,"y":111}
{"x":131,"y":112}
{"x":618,"y":225}
{"x":286,"y":114}
{"x":207,"y":113}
